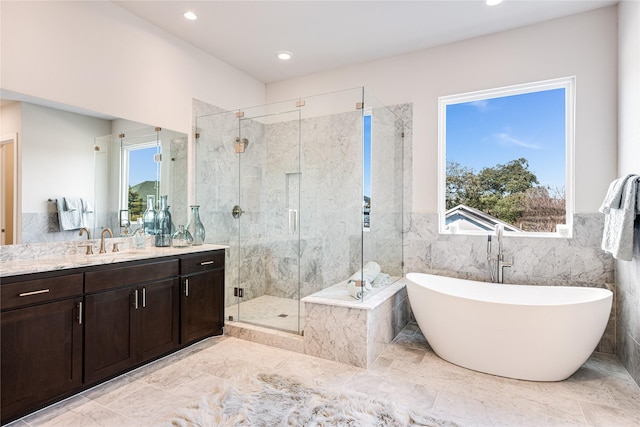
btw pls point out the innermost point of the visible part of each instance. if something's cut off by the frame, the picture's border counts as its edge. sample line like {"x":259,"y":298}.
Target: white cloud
{"x":482,"y":105}
{"x":506,"y":139}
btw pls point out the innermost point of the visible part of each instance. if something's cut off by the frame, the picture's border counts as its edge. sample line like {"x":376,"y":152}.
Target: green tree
{"x":462,"y":186}
{"x":514,"y":177}
{"x":499,"y":190}
{"x":135,"y":205}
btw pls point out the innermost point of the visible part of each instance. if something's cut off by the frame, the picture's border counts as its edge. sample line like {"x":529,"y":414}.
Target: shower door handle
{"x":293,"y":220}
{"x":237,"y":212}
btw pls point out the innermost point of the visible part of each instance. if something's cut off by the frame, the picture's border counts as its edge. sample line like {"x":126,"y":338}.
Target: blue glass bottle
{"x":195,"y":226}
{"x":163,"y":224}
{"x":149,"y":216}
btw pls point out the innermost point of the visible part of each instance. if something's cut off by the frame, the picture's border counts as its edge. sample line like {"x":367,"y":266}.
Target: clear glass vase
{"x":181,"y":238}
{"x":163,"y":224}
{"x":149,"y":216}
{"x":195,"y":226}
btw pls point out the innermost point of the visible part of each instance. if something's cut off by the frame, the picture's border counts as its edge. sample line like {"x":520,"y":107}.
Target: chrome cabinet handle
{"x":135,"y":296}
{"x":186,"y":287}
{"x":80,"y":313}
{"x":144,"y":297}
{"x":27,"y":294}
{"x":206,"y":263}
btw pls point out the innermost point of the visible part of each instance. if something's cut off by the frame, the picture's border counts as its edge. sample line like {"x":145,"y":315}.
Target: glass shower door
{"x":267,"y":215}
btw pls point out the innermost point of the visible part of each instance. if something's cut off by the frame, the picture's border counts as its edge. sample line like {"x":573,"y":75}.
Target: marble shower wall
{"x":179,"y":180}
{"x":313,"y":165}
{"x":628,"y":314}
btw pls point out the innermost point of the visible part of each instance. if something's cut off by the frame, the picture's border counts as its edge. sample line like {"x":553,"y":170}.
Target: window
{"x":506,"y":157}
{"x":141,"y":176}
{"x":366,"y":160}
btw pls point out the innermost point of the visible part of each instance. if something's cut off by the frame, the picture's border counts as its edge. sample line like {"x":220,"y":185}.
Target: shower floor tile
{"x":269,"y":311}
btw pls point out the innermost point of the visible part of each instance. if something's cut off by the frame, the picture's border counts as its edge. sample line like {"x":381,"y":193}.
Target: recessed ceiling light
{"x":284,"y":55}
{"x":190,"y":15}
{"x":492,"y":2}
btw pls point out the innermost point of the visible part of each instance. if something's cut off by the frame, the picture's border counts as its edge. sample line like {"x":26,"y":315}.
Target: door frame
{"x":16,"y":200}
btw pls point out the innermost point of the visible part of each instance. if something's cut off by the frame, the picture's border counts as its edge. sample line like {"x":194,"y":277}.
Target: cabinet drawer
{"x":40,"y":290}
{"x":116,"y":277}
{"x":202,"y":262}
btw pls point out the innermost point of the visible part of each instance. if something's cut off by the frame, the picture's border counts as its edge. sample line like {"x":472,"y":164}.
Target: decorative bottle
{"x":150,"y":216}
{"x":181,"y":238}
{"x":195,"y":226}
{"x":138,"y":235}
{"x":163,"y":224}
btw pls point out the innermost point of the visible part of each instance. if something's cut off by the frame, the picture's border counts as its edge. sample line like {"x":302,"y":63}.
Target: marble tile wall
{"x":179,"y":180}
{"x":628,"y":314}
{"x":43,"y":227}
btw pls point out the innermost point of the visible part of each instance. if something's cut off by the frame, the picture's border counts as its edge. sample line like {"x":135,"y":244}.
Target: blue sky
{"x":495,"y":131}
{"x":367,"y":155}
{"x":141,"y":166}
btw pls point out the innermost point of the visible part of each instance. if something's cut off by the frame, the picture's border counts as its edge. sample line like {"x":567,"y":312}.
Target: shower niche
{"x":319,"y":183}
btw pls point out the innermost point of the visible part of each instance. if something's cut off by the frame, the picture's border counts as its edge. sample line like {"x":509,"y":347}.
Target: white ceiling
{"x":329,"y":34}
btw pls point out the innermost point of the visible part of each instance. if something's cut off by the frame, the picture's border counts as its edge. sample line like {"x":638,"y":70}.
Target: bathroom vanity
{"x":67,"y":325}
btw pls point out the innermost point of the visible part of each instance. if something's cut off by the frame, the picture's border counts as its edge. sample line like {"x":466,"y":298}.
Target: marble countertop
{"x":43,"y":264}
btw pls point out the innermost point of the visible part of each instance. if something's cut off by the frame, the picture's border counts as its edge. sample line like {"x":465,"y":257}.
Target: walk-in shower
{"x":304,"y":192}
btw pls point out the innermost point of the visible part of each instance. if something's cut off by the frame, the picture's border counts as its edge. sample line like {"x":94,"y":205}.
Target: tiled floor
{"x":601,"y":393}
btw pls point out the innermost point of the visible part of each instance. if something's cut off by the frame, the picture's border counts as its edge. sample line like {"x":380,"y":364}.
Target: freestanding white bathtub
{"x":536,"y":333}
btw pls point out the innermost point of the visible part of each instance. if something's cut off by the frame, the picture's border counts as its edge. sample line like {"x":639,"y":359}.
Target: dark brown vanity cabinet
{"x":131,"y":316}
{"x":64,"y":331}
{"x":41,"y":341}
{"x":202,"y":299}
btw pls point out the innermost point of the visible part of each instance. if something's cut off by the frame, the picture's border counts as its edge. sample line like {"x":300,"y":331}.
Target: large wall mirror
{"x":62,"y":169}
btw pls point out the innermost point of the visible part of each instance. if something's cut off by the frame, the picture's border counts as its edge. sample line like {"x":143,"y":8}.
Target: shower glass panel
{"x":382,"y":240}
{"x":332,"y":190}
{"x":252,"y":160}
{"x":312,"y":205}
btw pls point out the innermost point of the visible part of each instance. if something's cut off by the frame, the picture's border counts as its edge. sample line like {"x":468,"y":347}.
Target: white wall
{"x":97,"y":56}
{"x":57,"y":155}
{"x":629,"y":87}
{"x":583,"y":45}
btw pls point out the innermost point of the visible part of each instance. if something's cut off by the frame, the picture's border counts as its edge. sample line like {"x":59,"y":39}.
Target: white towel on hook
{"x":72,"y":203}
{"x":621,"y":205}
{"x":68,"y":219}
{"x":87,"y":205}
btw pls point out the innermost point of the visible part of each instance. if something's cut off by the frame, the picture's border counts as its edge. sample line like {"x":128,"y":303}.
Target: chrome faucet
{"x":497,"y":264}
{"x":89,"y":245}
{"x":106,"y":230}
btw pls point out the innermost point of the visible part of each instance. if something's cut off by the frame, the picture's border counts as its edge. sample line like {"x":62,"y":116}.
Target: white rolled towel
{"x":382,"y":280}
{"x":357,"y":291}
{"x":368,"y":273}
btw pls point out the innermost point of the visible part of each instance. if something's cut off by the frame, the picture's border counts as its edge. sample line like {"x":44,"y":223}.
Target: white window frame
{"x":124,"y":182}
{"x":566,"y":83}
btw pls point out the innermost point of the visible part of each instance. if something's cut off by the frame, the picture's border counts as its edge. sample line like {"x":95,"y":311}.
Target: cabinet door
{"x":41,"y":355}
{"x":202,"y":305}
{"x":158,"y":317}
{"x":110,"y":327}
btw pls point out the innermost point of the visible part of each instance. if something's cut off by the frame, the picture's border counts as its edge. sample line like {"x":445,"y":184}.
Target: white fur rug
{"x":273,"y":400}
